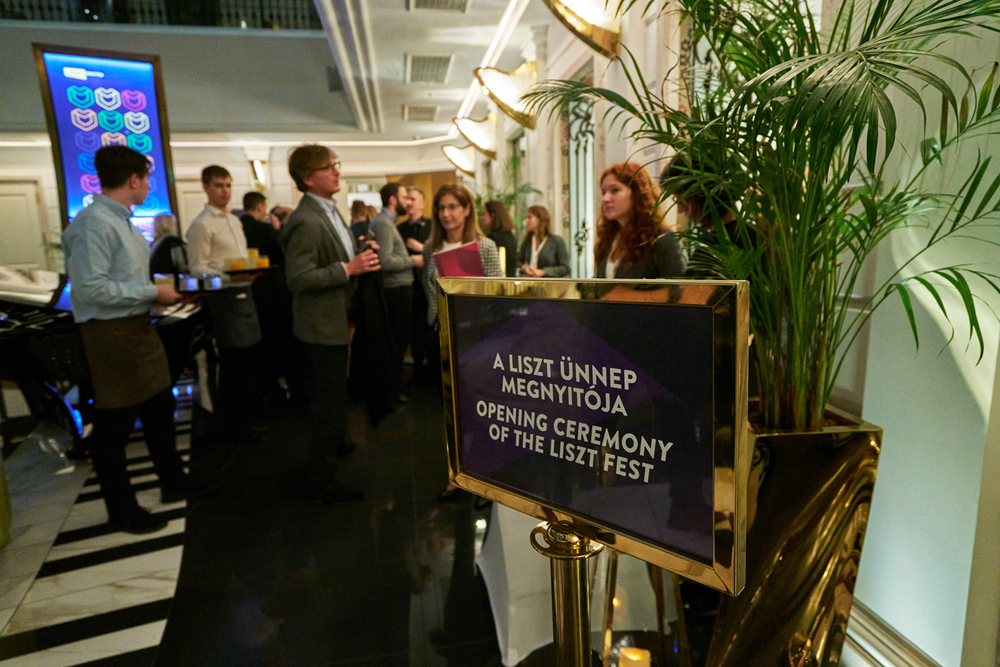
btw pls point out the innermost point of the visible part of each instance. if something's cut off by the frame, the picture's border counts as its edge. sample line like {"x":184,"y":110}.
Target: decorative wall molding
{"x":879,"y":644}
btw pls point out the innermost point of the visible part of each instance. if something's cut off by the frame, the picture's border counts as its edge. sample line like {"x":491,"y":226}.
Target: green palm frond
{"x":794,"y":127}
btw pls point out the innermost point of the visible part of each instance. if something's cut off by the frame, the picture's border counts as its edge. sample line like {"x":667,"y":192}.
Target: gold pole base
{"x":568,"y":552}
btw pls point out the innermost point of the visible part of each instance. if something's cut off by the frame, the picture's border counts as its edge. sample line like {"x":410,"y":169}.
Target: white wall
{"x":935,"y":406}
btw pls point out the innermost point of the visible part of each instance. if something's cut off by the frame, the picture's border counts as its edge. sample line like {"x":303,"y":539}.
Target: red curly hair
{"x":637,"y":237}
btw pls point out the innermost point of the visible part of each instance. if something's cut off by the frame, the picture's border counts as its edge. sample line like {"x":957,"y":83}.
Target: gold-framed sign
{"x":617,"y":406}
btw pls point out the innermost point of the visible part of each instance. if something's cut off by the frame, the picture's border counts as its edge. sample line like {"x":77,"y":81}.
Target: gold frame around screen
{"x":50,"y":114}
{"x":729,"y":301}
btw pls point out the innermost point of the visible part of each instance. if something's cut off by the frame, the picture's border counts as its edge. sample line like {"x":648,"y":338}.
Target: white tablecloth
{"x":519,"y":584}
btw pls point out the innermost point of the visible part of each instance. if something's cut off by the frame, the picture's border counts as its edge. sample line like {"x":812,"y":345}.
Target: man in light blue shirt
{"x":107,"y":260}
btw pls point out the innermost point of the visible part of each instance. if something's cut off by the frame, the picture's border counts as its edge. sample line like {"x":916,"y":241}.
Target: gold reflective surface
{"x":813,"y":494}
{"x":604,"y":41}
{"x":506,"y":89}
{"x":482,"y":134}
{"x":729,"y":302}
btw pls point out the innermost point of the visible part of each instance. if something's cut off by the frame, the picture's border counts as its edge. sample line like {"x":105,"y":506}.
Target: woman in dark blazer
{"x":499,"y":228}
{"x":629,"y":243}
{"x":542,"y":255}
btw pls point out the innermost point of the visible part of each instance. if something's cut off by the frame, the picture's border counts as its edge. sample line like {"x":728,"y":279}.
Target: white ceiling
{"x":271,"y":84}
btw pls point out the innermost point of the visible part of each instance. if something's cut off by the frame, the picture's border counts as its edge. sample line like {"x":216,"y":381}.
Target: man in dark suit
{"x":415,"y":232}
{"x":321,"y":262}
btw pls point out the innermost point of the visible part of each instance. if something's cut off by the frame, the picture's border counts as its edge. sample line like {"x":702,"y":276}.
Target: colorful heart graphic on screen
{"x":136,"y":122}
{"x":88,"y":200}
{"x":108,"y":98}
{"x":90,"y":183}
{"x":86,"y":141}
{"x":114,"y":139}
{"x":85,"y":119}
{"x":152,"y":163}
{"x":152,"y":184}
{"x":140,"y":142}
{"x":111,"y":121}
{"x":80,"y":96}
{"x":133,"y":100}
{"x":86,"y":162}
{"x":151,"y":204}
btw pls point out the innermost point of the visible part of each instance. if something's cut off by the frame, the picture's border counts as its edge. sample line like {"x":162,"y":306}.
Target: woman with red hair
{"x":629,"y":244}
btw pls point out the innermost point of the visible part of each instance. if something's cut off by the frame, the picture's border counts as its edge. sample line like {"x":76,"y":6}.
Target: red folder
{"x":461,"y":261}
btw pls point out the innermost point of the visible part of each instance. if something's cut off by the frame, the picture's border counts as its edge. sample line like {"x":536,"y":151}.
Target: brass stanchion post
{"x":568,"y":552}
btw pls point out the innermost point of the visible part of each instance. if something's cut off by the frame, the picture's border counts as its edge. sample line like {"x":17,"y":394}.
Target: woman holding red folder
{"x":453,"y":224}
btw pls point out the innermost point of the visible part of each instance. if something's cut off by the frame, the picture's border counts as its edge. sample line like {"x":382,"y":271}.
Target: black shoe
{"x":332,"y":495}
{"x":346,"y":449}
{"x":186,"y":491}
{"x":138,"y":522}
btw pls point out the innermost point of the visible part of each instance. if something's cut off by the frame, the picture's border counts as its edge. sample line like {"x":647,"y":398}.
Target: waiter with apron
{"x":107,"y":261}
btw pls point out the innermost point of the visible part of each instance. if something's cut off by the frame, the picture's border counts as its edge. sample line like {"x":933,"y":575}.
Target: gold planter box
{"x":808,"y":502}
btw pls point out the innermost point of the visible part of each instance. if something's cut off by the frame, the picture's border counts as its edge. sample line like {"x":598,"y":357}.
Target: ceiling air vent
{"x":440,"y":5}
{"x":420,"y":112}
{"x":427,"y":69}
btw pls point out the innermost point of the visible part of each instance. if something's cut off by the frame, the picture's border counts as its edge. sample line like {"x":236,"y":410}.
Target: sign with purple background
{"x":600,"y":409}
{"x":95,"y":102}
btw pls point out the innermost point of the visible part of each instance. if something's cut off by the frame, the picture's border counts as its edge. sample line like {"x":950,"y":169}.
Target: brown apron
{"x":128,"y":364}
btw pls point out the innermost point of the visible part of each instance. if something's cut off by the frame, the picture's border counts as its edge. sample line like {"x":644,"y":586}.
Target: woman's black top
{"x":508,"y":242}
{"x":664,"y":261}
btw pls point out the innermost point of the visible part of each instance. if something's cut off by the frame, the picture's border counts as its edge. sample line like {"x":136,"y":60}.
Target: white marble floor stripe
{"x":93,"y":648}
{"x":99,"y":600}
{"x":105,"y":574}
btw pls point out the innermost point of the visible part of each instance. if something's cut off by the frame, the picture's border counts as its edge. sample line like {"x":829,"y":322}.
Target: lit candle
{"x":503,"y":258}
{"x":634,"y":657}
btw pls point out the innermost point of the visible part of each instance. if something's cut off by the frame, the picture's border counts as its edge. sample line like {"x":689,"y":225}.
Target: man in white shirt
{"x":214,"y":237}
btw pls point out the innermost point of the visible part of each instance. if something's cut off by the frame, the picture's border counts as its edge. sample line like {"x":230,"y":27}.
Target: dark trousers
{"x":327,"y":413}
{"x":399,"y":303}
{"x":112,"y":428}
{"x":240,"y":395}
{"x":420,"y":331}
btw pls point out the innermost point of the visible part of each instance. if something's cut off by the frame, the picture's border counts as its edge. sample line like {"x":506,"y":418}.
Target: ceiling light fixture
{"x":505,"y":30}
{"x":480,"y":133}
{"x":596,"y":22}
{"x":463,"y":158}
{"x":506,"y":89}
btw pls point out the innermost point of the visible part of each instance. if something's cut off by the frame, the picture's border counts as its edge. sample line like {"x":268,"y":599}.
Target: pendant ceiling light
{"x":506,"y":89}
{"x":480,"y":133}
{"x":463,"y":158}
{"x":596,"y":22}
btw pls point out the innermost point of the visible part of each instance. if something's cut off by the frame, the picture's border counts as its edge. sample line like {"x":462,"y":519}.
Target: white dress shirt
{"x":214,"y":237}
{"x":536,"y":248}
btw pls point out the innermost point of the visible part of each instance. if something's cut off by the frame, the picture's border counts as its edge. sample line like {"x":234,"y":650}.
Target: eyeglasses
{"x":333,"y":165}
{"x":450,"y":207}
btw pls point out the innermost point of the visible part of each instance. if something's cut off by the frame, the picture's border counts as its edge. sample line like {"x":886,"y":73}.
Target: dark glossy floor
{"x":267,"y":579}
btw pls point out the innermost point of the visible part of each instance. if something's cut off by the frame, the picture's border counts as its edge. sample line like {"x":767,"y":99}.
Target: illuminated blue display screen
{"x":106,"y":102}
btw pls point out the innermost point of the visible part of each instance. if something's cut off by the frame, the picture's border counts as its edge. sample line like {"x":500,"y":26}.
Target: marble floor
{"x":253,"y":575}
{"x":72,"y":591}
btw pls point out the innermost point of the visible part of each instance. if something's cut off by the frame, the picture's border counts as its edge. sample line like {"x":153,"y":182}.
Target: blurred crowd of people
{"x":341,"y":298}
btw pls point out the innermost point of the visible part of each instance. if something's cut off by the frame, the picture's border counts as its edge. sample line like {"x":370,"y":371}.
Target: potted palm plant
{"x":794,"y":133}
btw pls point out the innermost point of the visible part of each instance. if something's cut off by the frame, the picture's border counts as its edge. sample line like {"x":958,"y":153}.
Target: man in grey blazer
{"x":397,"y":272}
{"x":321,"y":260}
